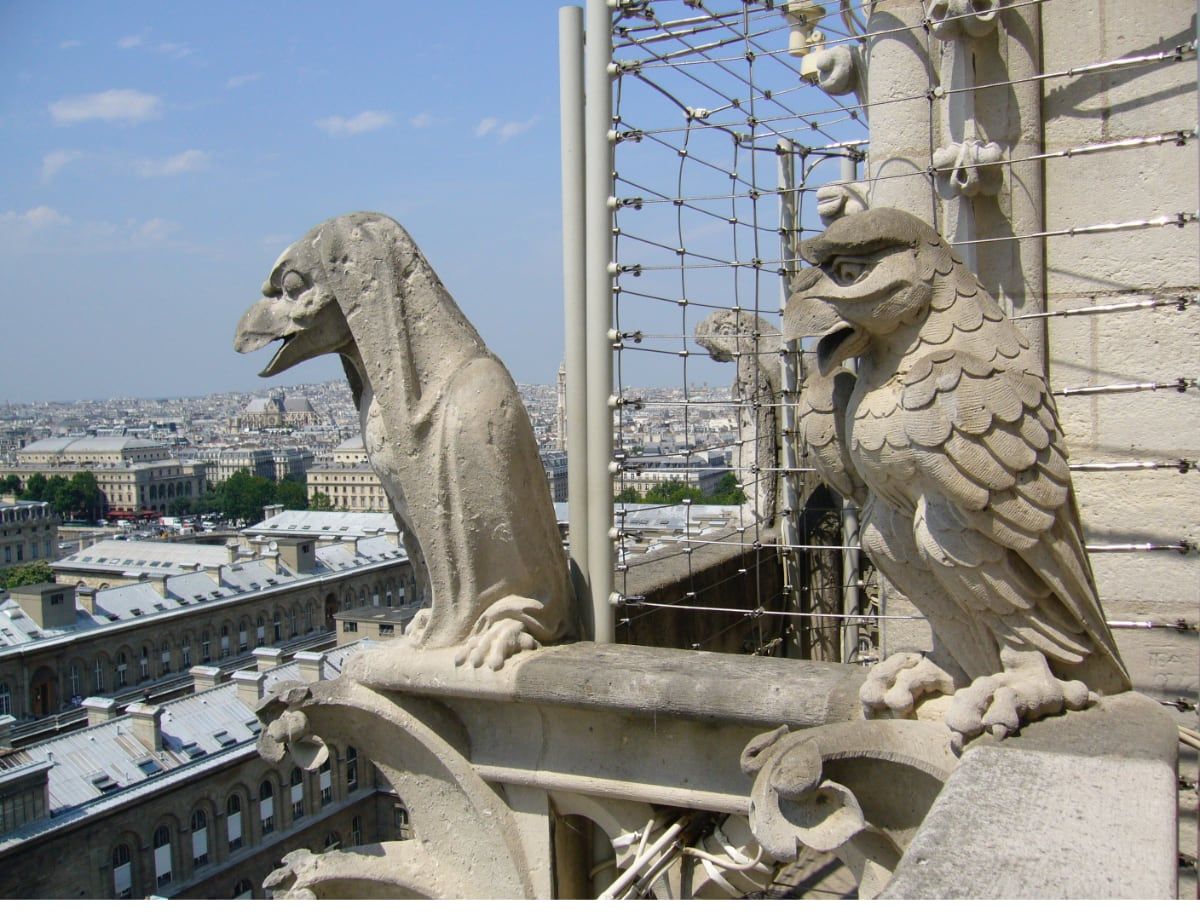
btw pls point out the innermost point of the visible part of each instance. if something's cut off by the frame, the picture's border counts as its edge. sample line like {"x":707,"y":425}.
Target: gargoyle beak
{"x":265,"y":322}
{"x":807,"y":315}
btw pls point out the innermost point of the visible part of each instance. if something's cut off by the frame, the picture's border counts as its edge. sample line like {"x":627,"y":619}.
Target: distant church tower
{"x":562,"y":406}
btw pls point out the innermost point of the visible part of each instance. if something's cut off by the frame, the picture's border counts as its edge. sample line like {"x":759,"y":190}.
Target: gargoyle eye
{"x":293,"y":283}
{"x":845,"y":271}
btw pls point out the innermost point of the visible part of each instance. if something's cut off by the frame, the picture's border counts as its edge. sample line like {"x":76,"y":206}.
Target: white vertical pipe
{"x":598,"y":124}
{"x":570,"y":81}
{"x":788,"y":486}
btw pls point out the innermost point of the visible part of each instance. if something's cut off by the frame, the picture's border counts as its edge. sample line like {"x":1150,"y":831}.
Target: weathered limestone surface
{"x":1104,"y":830}
{"x":444,"y":429}
{"x":948,"y":440}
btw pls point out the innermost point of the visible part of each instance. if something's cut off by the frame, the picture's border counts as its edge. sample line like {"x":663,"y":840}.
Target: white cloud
{"x":236,"y":82}
{"x":155,"y":230}
{"x":129,"y":41}
{"x":33,"y":219}
{"x":174,"y":49}
{"x":359,"y":123}
{"x":191,"y":160}
{"x":422,"y":120}
{"x":69,"y":43}
{"x":128,"y":105}
{"x":503,"y":130}
{"x":515,"y":128}
{"x":56,"y":161}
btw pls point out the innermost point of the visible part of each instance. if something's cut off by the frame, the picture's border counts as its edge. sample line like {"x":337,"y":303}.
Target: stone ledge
{"x":1078,"y":806}
{"x":751,"y":690}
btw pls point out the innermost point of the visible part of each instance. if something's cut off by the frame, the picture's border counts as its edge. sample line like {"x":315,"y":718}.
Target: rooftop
{"x":94,"y":770}
{"x":325,"y":524}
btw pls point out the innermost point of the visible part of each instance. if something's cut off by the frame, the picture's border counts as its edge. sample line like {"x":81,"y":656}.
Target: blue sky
{"x":155,"y":158}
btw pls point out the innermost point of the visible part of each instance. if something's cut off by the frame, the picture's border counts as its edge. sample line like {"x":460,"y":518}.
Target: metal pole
{"x":851,"y":566}
{"x":789,"y":484}
{"x":599,"y":153}
{"x":570,"y":81}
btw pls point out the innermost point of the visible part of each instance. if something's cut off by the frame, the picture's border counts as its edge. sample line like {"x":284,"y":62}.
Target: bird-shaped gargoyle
{"x":948,"y":439}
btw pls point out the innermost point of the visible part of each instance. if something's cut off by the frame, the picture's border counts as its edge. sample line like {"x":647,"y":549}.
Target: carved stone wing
{"x":995,"y":514}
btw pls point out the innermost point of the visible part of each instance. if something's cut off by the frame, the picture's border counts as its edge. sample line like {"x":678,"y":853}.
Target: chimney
{"x":100,"y":710}
{"x":6,"y":724}
{"x":271,"y":553}
{"x":393,"y":536}
{"x":205,"y":678}
{"x":249,"y":684}
{"x":159,"y":584}
{"x":268,"y":658}
{"x":85,"y":597}
{"x":231,"y":551}
{"x":146,"y":724}
{"x":311,"y":666}
{"x":272,"y":510}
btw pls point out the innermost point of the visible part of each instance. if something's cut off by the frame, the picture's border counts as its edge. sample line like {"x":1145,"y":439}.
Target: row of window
{"x":203,"y":838}
{"x":18,"y":550}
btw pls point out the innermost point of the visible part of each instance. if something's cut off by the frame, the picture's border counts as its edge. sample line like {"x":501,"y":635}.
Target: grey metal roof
{"x":159,"y":559}
{"x":351,"y":443}
{"x":96,"y":770}
{"x":17,"y":628}
{"x":323,"y":523}
{"x":91,"y":444}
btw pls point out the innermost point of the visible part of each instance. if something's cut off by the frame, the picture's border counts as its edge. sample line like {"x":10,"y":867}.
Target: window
{"x":185,"y":651}
{"x":233,"y":821}
{"x":375,"y":598}
{"x":144,"y":665}
{"x":224,"y":641}
{"x":260,"y":633}
{"x":326,"y":781}
{"x":266,"y":806}
{"x":277,"y":627}
{"x":387,"y":630}
{"x":73,"y":680}
{"x":206,"y":647}
{"x":5,"y":698}
{"x":292,"y":623}
{"x":351,"y":769}
{"x":333,"y":840}
{"x":243,"y":637}
{"x":56,"y":598}
{"x":243,"y":890}
{"x":33,"y":553}
{"x":121,"y":667}
{"x":122,"y":872}
{"x":199,"y":838}
{"x":7,"y":554}
{"x":165,"y":658}
{"x":401,"y":823}
{"x":355,"y":830}
{"x":349,"y":626}
{"x":297,"y":793}
{"x":21,"y":557}
{"x":162,"y":856}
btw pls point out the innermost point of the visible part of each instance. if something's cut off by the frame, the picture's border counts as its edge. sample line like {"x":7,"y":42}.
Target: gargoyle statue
{"x":443,"y":426}
{"x":948,"y":439}
{"x":753,"y":344}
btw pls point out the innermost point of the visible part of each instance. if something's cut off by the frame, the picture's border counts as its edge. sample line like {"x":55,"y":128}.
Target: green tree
{"x":10,"y":483}
{"x":673,"y":492}
{"x":85,"y":497}
{"x":182,"y":506}
{"x":727,"y":491}
{"x":291,"y":494}
{"x":320,"y":501}
{"x":629,"y":496}
{"x":26,"y":575}
{"x":244,"y":496}
{"x":35,"y":487}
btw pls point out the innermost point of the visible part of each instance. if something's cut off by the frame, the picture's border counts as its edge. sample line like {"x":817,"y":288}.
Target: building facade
{"x":136,"y":477}
{"x":173,"y":800}
{"x":141,"y":627}
{"x":28,"y":532}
